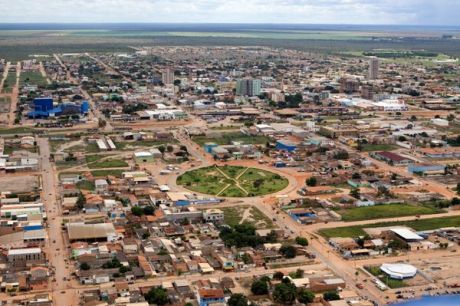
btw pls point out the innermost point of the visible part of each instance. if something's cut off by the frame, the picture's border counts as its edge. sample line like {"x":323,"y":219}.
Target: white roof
{"x":24,"y":251}
{"x":399,"y":270}
{"x":142,"y":154}
{"x":406,"y":234}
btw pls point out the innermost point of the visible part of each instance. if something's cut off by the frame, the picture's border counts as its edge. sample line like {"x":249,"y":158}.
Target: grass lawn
{"x":113,"y":163}
{"x":104,"y":173}
{"x":86,"y":185}
{"x":385,"y":211}
{"x":33,"y":78}
{"x":391,"y":283}
{"x":210,"y":180}
{"x":418,"y":225}
{"x":16,"y":130}
{"x":378,"y":147}
{"x":204,"y":180}
{"x":9,"y":82}
{"x":93,"y":158}
{"x":227,"y":138}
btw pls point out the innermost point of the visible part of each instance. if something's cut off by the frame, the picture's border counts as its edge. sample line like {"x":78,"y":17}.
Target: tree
{"x":237,"y":299}
{"x":81,"y":201}
{"x":157,"y":295}
{"x":148,"y":210}
{"x":311,"y":181}
{"x":137,"y":211}
{"x":259,"y":287}
{"x":285,"y":293}
{"x":304,"y":296}
{"x":341,"y":155}
{"x":84,"y":266}
{"x":288,"y":251}
{"x":162,"y":149}
{"x":455,"y":201}
{"x":102,"y":123}
{"x":278,"y":275}
{"x":301,"y":240}
{"x":458,"y":188}
{"x":355,"y":193}
{"x":331,"y":296}
{"x":356,"y":176}
{"x":170,"y":148}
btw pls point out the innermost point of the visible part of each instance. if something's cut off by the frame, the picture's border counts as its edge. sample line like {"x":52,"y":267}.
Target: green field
{"x":104,"y":173}
{"x":418,"y":225}
{"x":16,"y":130}
{"x":377,"y":147}
{"x":227,"y":138}
{"x":385,"y":211}
{"x":86,"y":185}
{"x":232,"y":181}
{"x":113,"y":163}
{"x":32,"y":78}
{"x":9,"y":82}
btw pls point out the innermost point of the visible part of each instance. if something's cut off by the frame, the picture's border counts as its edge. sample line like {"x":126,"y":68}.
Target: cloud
{"x":430,"y":12}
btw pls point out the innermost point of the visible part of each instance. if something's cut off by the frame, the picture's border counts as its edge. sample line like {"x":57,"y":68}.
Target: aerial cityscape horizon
{"x":241,"y":153}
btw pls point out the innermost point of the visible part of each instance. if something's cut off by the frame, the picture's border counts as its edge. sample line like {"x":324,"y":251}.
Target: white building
{"x":398,"y":270}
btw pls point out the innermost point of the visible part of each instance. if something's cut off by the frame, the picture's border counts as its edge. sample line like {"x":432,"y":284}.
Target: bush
{"x":301,"y":240}
{"x":84,"y":266}
{"x":331,"y":296}
{"x":278,"y":275}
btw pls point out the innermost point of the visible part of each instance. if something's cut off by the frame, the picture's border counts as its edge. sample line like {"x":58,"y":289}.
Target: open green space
{"x":385,"y":211}
{"x":377,"y":147}
{"x":16,"y":130}
{"x":417,"y":224}
{"x":9,"y":82}
{"x":32,"y":78}
{"x":107,"y":172}
{"x":112,"y":163}
{"x":227,"y":138}
{"x":86,"y":185}
{"x":244,"y":213}
{"x":232,"y":181}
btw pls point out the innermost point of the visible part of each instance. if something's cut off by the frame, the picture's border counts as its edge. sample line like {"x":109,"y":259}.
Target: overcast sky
{"x":415,"y":12}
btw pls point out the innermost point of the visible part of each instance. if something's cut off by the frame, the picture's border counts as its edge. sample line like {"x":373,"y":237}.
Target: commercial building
{"x":44,"y":108}
{"x":248,"y":87}
{"x":399,"y":271}
{"x":92,"y":232}
{"x":373,"y":68}
{"x":27,"y":254}
{"x":167,"y":76}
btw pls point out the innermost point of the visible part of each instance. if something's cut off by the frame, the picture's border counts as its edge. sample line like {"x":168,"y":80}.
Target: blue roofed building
{"x":285,"y":145}
{"x":44,"y":108}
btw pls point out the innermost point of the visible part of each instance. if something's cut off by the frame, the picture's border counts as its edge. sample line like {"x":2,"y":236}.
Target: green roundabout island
{"x":232,"y":181}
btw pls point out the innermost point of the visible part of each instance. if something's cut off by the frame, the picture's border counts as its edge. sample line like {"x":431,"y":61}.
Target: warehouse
{"x":91,"y":232}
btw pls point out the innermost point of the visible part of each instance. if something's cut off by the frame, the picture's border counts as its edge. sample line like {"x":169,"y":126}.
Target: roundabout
{"x":232,"y":181}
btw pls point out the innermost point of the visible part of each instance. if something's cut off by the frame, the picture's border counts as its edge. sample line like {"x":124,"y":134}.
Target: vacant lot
{"x":227,"y":138}
{"x":112,"y":163}
{"x":32,"y":78}
{"x":104,"y":173}
{"x":385,"y":211}
{"x":9,"y":82}
{"x":377,"y":147}
{"x":418,"y":225}
{"x":18,"y":184}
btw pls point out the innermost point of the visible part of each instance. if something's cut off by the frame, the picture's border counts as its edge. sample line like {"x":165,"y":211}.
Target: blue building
{"x":43,"y":108}
{"x":426,"y":169}
{"x":209,"y":146}
{"x":208,"y":297}
{"x":285,"y":145}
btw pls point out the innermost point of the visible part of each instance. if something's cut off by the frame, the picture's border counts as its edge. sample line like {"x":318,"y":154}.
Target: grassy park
{"x":232,"y":181}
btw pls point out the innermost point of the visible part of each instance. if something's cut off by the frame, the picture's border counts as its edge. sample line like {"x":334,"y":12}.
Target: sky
{"x":411,"y":12}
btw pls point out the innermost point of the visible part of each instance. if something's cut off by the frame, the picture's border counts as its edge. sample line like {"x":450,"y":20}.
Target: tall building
{"x":373,"y":68}
{"x":167,"y":76}
{"x":248,"y":87}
